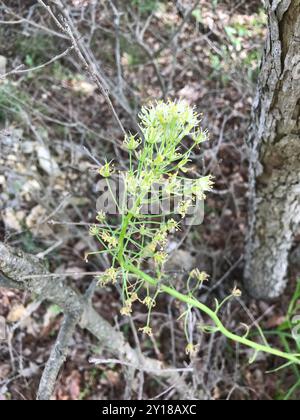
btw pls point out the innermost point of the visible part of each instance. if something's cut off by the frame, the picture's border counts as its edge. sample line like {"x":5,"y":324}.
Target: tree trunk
{"x":275,"y":155}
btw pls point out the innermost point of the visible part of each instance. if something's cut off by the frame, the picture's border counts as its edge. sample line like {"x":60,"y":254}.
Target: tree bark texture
{"x":275,"y":155}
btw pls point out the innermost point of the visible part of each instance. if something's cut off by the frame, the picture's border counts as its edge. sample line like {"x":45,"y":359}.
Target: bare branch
{"x":85,"y":57}
{"x":29,"y":22}
{"x":20,"y":70}
{"x":145,"y":369}
{"x":78,"y":310}
{"x":57,"y":357}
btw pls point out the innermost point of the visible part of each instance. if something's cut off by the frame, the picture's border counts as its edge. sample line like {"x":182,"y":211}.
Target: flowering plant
{"x":158,"y":156}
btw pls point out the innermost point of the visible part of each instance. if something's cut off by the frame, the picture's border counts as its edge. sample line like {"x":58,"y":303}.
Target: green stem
{"x":212,"y":315}
{"x":123,"y":235}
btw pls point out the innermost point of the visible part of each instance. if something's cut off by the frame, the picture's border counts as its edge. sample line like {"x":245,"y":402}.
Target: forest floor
{"x":50,"y":116}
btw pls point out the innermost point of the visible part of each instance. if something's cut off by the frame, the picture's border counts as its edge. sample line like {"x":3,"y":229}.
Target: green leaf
{"x":286,"y":365}
{"x":55,"y":309}
{"x":197,"y":14}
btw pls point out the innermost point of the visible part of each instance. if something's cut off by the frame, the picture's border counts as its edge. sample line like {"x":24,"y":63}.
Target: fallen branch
{"x":57,"y":357}
{"x":19,"y":270}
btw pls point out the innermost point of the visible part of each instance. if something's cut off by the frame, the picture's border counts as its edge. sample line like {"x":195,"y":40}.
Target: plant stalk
{"x":213,"y":316}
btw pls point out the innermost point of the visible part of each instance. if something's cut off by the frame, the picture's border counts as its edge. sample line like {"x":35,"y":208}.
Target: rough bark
{"x":275,"y":154}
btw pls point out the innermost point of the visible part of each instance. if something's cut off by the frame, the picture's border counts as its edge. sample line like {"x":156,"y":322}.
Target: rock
{"x":16,"y":313}
{"x":180,"y":260}
{"x":35,"y":221}
{"x":10,"y":139}
{"x":82,"y":86}
{"x":28,"y":147}
{"x":12,"y":219}
{"x":46,"y":161}
{"x":31,"y":186}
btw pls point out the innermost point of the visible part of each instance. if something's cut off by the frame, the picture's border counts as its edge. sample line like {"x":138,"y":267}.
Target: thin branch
{"x":30,"y":22}
{"x":69,"y":29}
{"x":57,"y":275}
{"x":20,"y":70}
{"x":57,"y":357}
{"x":178,"y":30}
{"x":143,"y":368}
{"x":43,"y":254}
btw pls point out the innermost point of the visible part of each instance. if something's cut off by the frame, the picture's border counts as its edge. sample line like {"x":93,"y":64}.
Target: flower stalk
{"x":161,"y":157}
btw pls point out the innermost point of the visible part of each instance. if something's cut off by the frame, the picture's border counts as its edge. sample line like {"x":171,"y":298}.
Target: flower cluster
{"x":109,"y":276}
{"x":131,"y":143}
{"x":201,"y":276}
{"x":183,"y":207}
{"x":110,"y":240}
{"x":172,"y":117}
{"x":236,"y":292}
{"x":200,"y":136}
{"x":191,"y":349}
{"x":149,"y":302}
{"x":158,"y":160}
{"x":160,"y":239}
{"x":146,"y":330}
{"x":172,"y":184}
{"x":94,"y":230}
{"x":127,"y":308}
{"x":131,"y":183}
{"x":101,"y":217}
{"x":171,"y":226}
{"x":201,"y":186}
{"x":160,"y":258}
{"x":107,"y":170}
{"x":161,"y":158}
